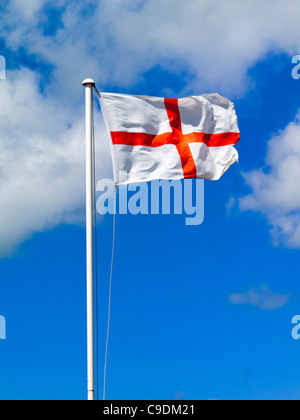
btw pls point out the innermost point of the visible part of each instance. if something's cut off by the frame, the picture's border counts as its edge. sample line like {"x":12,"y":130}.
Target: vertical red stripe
{"x":174,"y":116}
{"x":183,"y":148}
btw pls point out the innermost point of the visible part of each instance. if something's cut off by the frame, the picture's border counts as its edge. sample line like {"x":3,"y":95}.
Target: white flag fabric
{"x":161,"y":138}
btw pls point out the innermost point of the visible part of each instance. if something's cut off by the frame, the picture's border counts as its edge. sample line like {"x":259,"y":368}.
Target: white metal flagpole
{"x":89,"y":86}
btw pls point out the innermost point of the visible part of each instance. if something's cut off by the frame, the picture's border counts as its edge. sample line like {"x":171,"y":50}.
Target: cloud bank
{"x":215,"y":42}
{"x":211,"y":44}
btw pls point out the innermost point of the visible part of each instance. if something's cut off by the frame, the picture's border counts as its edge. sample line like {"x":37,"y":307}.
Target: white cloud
{"x":230,"y":205}
{"x":27,"y":9}
{"x":275,"y":192}
{"x":262,"y":298}
{"x":42,"y":161}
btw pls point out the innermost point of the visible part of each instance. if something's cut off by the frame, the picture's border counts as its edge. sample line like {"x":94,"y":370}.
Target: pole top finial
{"x":87,"y":82}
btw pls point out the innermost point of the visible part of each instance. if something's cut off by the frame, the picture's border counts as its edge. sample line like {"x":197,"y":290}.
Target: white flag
{"x":159,"y":138}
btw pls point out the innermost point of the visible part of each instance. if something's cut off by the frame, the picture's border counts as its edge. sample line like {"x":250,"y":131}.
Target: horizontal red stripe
{"x":141,"y":139}
{"x":152,"y":140}
{"x":213,"y":140}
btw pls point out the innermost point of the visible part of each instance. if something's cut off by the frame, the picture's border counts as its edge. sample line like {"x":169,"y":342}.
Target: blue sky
{"x":198,"y":312}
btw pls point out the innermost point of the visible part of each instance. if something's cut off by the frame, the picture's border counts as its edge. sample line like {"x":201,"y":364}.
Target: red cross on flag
{"x":157,"y":138}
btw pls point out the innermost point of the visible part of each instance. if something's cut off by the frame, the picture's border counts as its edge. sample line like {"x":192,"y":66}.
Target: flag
{"x":161,"y":138}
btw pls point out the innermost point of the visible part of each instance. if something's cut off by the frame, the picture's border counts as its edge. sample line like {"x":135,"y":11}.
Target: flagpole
{"x":89,"y":86}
